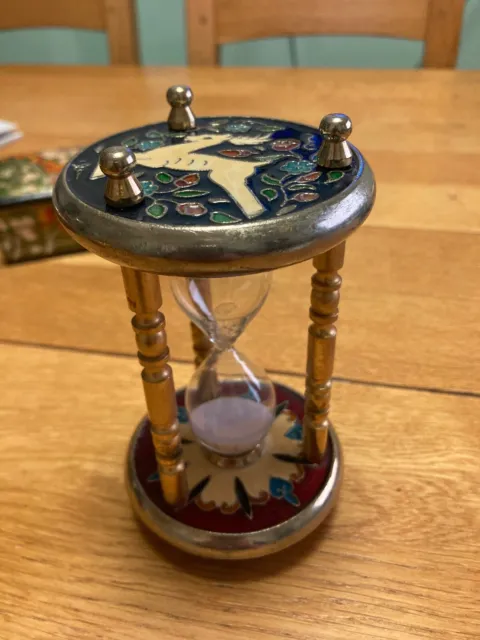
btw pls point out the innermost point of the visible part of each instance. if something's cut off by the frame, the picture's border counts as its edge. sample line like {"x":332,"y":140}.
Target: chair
{"x":212,"y":23}
{"x":115,"y":17}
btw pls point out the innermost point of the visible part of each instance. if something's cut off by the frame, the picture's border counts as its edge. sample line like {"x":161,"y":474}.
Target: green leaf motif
{"x":269,"y":194}
{"x":157,"y":210}
{"x":223,"y":218}
{"x":130,"y":142}
{"x":164,"y":178}
{"x":270,"y":128}
{"x":334,"y":176}
{"x":268,"y":159}
{"x":268,"y":179}
{"x":190,"y":193}
{"x":148,"y":145}
{"x":153,"y":133}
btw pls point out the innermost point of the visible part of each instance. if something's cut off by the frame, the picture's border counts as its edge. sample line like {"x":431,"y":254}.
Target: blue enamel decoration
{"x":271,"y":159}
{"x":238,"y":127}
{"x":153,"y":477}
{"x":283,"y":489}
{"x":295,"y":432}
{"x":147,"y":145}
{"x":149,"y":187}
{"x":182,"y":415}
{"x":296,"y":167}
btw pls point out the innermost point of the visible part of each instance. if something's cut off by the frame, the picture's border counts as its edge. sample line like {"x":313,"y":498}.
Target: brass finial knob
{"x":181,"y":116}
{"x":123,"y":188}
{"x":334,"y":152}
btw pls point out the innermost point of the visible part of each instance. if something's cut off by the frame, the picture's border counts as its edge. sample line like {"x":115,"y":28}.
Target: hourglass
{"x":230,"y":400}
{"x":234,"y":465}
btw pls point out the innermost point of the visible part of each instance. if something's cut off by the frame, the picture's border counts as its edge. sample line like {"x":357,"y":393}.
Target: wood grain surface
{"x":398,"y":560}
{"x":407,"y":317}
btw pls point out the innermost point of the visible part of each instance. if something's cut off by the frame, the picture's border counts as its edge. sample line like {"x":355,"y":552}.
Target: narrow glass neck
{"x":222,"y":307}
{"x":224,"y":334}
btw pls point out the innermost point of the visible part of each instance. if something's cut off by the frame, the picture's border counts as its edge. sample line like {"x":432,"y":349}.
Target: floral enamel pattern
{"x":272,"y":477}
{"x":228,"y":171}
{"x":272,"y":489}
{"x":31,"y":231}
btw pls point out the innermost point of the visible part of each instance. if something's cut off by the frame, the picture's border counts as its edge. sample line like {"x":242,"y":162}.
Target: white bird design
{"x":229,"y":173}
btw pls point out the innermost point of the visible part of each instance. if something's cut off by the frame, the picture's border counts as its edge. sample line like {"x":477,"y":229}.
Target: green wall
{"x":162,"y":38}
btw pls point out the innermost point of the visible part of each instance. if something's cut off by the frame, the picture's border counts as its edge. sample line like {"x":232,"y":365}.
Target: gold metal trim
{"x":322,"y":334}
{"x":228,"y":546}
{"x":144,"y":298}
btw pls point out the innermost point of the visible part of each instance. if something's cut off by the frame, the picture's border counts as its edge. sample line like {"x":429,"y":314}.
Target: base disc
{"x":239,"y":512}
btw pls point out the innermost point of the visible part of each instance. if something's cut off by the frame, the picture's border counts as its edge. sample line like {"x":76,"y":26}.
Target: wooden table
{"x":399,"y":558}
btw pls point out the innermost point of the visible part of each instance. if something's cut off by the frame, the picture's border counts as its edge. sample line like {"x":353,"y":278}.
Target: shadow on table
{"x":106,"y":509}
{"x":238,"y":570}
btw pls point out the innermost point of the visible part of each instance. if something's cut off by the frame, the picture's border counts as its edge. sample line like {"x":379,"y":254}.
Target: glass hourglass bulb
{"x":230,"y":400}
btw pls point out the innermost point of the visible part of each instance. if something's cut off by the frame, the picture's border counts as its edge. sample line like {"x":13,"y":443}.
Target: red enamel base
{"x":274,"y":510}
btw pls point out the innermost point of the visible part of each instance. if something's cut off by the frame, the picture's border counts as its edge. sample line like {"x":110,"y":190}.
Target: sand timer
{"x":230,"y":399}
{"x":235,"y":465}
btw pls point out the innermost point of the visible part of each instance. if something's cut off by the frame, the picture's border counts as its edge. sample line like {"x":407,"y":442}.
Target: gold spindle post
{"x":325,"y":296}
{"x":145,"y":299}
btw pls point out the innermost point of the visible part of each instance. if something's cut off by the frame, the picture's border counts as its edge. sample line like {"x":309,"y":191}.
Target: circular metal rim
{"x":237,"y":249}
{"x":228,"y":546}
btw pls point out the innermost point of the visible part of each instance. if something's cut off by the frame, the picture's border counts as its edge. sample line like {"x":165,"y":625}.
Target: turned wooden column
{"x":145,"y":299}
{"x":322,"y":333}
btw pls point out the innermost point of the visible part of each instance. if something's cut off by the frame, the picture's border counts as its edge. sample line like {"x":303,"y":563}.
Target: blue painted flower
{"x":149,"y":187}
{"x":297,"y":166}
{"x":147,"y":145}
{"x":153,"y":477}
{"x":280,"y":488}
{"x":182,"y":415}
{"x":238,"y":127}
{"x":295,"y":432}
